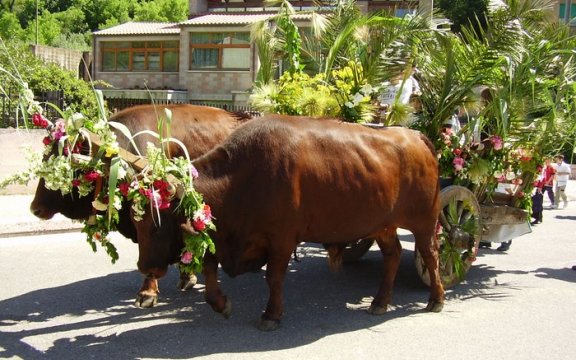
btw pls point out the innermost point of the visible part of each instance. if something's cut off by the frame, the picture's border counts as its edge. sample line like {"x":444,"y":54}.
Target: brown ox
{"x":200,"y":128}
{"x":281,"y":180}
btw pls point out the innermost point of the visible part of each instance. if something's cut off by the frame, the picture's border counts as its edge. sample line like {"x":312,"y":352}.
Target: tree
{"x":8,"y":5}
{"x":103,"y":13}
{"x":10,"y":26}
{"x":464,"y":12}
{"x":49,"y":29}
{"x":161,"y":10}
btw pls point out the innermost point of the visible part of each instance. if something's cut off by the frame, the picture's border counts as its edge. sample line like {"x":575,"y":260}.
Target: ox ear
{"x":188,"y":228}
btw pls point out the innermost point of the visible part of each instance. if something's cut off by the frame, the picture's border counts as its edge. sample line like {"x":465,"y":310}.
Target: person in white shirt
{"x":563,"y":172}
{"x":398,"y":91}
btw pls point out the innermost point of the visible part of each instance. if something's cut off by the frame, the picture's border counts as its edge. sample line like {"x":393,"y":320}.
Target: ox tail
{"x":335,"y":256}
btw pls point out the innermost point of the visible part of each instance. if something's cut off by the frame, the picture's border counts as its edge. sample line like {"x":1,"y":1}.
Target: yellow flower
{"x":111,"y":150}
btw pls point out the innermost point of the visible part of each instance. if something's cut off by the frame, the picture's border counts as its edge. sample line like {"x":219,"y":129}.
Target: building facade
{"x":209,"y":57}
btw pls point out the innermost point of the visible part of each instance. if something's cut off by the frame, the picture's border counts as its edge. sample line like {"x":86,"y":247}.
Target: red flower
{"x":160,"y":184}
{"x":47,"y":140}
{"x":457,"y":152}
{"x":199,"y":225}
{"x":76,"y":182}
{"x":124,"y":187}
{"x":92,"y":176}
{"x":163,"y":204}
{"x":39,"y":120}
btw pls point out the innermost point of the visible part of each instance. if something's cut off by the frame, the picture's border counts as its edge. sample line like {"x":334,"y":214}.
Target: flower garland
{"x":73,"y":162}
{"x":156,"y":188}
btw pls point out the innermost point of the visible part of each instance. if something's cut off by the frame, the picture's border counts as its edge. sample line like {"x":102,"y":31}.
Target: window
{"x":159,"y":56}
{"x":220,"y":51}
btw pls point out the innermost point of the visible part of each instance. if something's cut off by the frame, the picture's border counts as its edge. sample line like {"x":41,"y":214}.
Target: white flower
{"x":76,"y":121}
{"x":28,"y":95}
{"x":358,"y":98}
{"x":121,"y":171}
{"x":366,"y":89}
{"x":100,"y":206}
{"x":510,"y":175}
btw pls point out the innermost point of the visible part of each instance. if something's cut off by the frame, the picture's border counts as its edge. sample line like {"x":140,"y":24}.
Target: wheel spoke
{"x":460,"y":221}
{"x":444,"y":221}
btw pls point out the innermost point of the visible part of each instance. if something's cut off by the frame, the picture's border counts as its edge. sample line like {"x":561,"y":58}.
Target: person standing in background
{"x":563,"y":172}
{"x":538,"y":197}
{"x":549,"y":173}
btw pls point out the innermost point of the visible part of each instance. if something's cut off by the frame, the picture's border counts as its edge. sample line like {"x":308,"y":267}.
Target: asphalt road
{"x":58,"y":300}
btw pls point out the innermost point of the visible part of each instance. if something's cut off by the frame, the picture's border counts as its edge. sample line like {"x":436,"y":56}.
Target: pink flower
{"x":207,"y":211}
{"x":457,"y":152}
{"x":193,"y":171}
{"x":186,"y":257}
{"x":59,"y":129}
{"x":146,"y":192}
{"x":92,"y":176}
{"x":496,"y":142}
{"x":458,"y":163}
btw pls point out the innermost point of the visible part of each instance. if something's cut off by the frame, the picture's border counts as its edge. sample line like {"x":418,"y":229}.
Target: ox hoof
{"x":146,"y":301}
{"x":268,"y":325}
{"x":434,"y":306}
{"x":187,"y":282}
{"x":377,"y":310}
{"x":227,"y":311}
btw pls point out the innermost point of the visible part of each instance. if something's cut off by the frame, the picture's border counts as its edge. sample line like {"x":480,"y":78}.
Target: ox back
{"x":281,"y":180}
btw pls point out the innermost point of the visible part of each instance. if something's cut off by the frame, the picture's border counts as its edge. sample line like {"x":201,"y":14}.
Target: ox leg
{"x":275,"y":274}
{"x":213,"y":295}
{"x":187,"y":280}
{"x":428,"y":247}
{"x":391,"y":250}
{"x":147,"y":296}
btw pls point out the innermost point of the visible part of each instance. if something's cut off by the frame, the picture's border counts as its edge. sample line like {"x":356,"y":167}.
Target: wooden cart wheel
{"x":355,"y":250}
{"x":459,"y":233}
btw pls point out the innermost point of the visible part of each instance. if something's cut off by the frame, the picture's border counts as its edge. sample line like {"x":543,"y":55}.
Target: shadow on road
{"x":565,"y":217}
{"x":564,"y":274}
{"x":95,"y":318}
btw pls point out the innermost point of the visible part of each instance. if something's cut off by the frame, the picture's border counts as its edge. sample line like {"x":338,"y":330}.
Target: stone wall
{"x":141,"y":80}
{"x":65,"y":58}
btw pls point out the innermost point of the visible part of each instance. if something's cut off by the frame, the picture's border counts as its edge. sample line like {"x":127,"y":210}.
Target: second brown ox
{"x":280,"y":180}
{"x":199,"y":128}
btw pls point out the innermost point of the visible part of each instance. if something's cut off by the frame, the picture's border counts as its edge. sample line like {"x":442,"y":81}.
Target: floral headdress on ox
{"x":115,"y":175}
